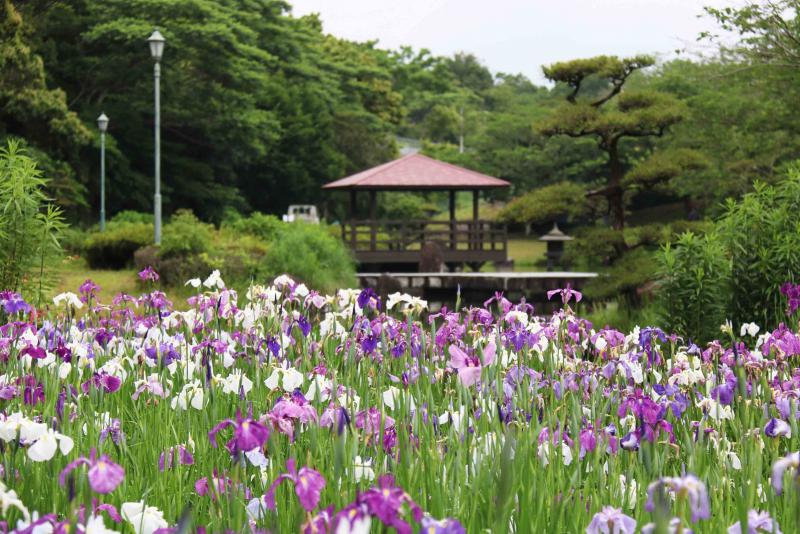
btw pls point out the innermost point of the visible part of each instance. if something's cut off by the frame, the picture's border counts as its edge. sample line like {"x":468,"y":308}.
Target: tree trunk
{"x":614,"y":195}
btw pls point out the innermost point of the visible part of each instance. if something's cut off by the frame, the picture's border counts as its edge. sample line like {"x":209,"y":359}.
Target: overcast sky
{"x":516,"y":36}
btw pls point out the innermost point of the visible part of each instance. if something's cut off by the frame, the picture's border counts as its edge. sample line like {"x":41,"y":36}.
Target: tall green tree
{"x":30,"y":109}
{"x":742,"y":117}
{"x":258,"y":108}
{"x":613,"y":116}
{"x":769,"y":31}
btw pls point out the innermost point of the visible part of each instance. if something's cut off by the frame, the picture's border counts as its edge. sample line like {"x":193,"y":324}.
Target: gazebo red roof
{"x":416,"y":171}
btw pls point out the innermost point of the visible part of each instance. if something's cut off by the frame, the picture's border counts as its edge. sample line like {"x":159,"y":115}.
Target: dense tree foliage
{"x":31,"y":110}
{"x":613,"y":116}
{"x":258,"y":107}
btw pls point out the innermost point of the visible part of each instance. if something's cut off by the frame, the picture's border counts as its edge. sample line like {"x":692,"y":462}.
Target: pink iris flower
{"x":469,"y":367}
{"x":104,"y":475}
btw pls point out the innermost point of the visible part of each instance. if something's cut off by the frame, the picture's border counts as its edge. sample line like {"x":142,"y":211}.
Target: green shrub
{"x":131,"y":217}
{"x":758,"y":237}
{"x":257,"y":224}
{"x":239,"y":256}
{"x":761,"y":235}
{"x":72,"y":240}
{"x":185,"y":235}
{"x":30,"y":227}
{"x":626,"y":280}
{"x":695,"y":282}
{"x":308,"y":252}
{"x":114,"y":248}
{"x":173,"y":271}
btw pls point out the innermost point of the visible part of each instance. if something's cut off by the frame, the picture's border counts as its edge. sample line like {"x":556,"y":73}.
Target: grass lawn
{"x":526,"y":252}
{"x":74,"y":271}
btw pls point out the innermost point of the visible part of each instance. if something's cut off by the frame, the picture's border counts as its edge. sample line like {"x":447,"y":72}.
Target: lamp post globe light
{"x":156,"y":41}
{"x":102,"y":125}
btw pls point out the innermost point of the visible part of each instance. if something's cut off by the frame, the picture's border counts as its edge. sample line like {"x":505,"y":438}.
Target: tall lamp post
{"x":102,"y":124}
{"x":156,"y":41}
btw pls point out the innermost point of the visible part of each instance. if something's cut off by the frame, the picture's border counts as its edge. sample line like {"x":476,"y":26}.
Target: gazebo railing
{"x":406,"y":235}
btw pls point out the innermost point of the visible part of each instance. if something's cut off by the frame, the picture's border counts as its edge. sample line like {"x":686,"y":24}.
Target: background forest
{"x":260,"y":108}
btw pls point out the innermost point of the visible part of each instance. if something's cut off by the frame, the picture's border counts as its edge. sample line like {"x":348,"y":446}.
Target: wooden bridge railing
{"x":392,"y":235}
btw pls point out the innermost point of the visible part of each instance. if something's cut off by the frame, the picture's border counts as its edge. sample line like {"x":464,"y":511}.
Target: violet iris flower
{"x":179,"y":455}
{"x":690,"y":487}
{"x":469,"y":367}
{"x":104,"y":475}
{"x":148,"y":274}
{"x":567,"y":294}
{"x":308,"y":485}
{"x":779,"y":468}
{"x":611,"y":520}
{"x":445,"y":526}
{"x":792,"y":294}
{"x":386,"y":501}
{"x":368,"y":299}
{"x":777,"y":428}
{"x":13,"y":303}
{"x":353,"y":518}
{"x":248,"y":434}
{"x":106,"y":382}
{"x":756,"y":522}
{"x":88,"y":291}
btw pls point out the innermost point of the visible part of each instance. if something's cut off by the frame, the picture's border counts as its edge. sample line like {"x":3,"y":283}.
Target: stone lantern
{"x":555,"y":239}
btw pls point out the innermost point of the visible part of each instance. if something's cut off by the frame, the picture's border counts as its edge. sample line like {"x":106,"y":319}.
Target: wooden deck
{"x":477,"y":287}
{"x":495,"y":281}
{"x":401,"y":242}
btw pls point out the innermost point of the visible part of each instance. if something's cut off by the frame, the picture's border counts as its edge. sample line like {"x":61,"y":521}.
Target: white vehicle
{"x":302,"y":212}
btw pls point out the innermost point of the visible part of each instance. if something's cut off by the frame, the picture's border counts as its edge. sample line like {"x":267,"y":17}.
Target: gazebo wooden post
{"x":353,"y":219}
{"x":453,"y":244}
{"x":373,"y":222}
{"x":475,"y":238}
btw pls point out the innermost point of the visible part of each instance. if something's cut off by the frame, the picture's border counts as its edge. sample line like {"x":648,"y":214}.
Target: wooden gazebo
{"x":386,"y":244}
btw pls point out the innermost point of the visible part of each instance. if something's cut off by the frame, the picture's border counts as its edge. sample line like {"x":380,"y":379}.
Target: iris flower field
{"x":284,"y":410}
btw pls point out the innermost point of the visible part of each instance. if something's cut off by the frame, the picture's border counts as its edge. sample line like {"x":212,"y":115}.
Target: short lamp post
{"x":156,"y":41}
{"x":102,"y":125}
{"x":555,"y":240}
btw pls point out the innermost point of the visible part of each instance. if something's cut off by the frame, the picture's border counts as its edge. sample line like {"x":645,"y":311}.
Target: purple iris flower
{"x":445,"y":526}
{"x":777,"y":428}
{"x":319,"y":523}
{"x":179,"y":455}
{"x":689,"y":486}
{"x":33,"y":390}
{"x":611,"y":520}
{"x":248,"y":434}
{"x":385,"y":502}
{"x":220,"y":485}
{"x":165,"y":350}
{"x":756,"y":522}
{"x":104,"y":475}
{"x":588,"y":441}
{"x":646,"y":339}
{"x":368,"y":299}
{"x":106,"y":382}
{"x":13,"y":303}
{"x":779,"y":468}
{"x":352,"y":518}
{"x":567,"y":294}
{"x":308,"y":485}
{"x":114,"y":431}
{"x":792,"y":294}
{"x":148,"y":274}
{"x":88,"y":291}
